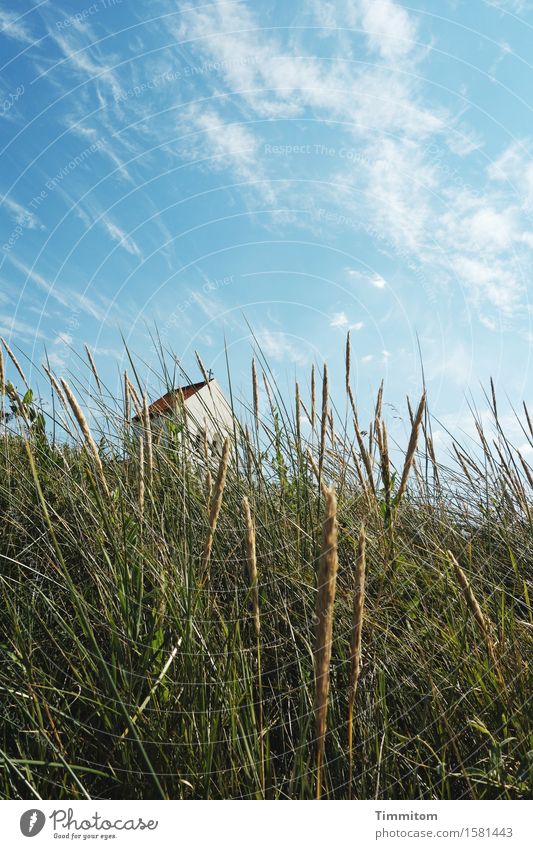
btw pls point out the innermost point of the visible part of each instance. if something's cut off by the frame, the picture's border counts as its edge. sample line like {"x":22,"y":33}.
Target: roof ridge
{"x":162,"y":405}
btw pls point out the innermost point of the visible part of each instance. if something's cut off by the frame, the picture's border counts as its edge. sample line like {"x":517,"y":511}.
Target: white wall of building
{"x":206,"y":410}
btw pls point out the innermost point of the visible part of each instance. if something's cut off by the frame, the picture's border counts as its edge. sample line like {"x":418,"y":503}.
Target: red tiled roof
{"x":165,"y":405}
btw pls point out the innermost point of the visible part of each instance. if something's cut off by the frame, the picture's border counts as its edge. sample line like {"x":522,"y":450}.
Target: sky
{"x":275,"y":174}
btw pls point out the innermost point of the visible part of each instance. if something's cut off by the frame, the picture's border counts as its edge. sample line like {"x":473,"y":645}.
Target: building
{"x":207,"y":415}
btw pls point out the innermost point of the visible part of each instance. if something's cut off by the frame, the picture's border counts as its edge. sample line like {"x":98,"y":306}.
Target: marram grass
{"x":181,"y":629}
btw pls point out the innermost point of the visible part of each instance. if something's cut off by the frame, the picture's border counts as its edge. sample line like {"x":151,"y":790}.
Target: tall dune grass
{"x":158,"y":612}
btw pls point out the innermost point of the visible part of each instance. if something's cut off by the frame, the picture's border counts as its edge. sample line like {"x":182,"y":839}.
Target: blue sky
{"x":310,"y":167}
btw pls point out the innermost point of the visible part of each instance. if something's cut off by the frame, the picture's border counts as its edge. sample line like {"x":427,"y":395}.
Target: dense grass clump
{"x":305,"y":615}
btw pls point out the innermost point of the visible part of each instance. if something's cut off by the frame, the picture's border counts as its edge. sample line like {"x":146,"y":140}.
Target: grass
{"x":163,"y":628}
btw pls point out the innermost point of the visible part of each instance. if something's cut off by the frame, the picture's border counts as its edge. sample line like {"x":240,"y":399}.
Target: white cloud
{"x":493,"y":230}
{"x":119,"y":235}
{"x":493,"y":281}
{"x":487,"y":322}
{"x":99,"y":307}
{"x":375,"y":280}
{"x":10,"y":326}
{"x":271,"y":80}
{"x":278,"y":346}
{"x":84,"y":60}
{"x":63,"y":339}
{"x":13,"y":26}
{"x":21,"y":215}
{"x":413,"y":206}
{"x":473,"y":223}
{"x":509,"y":5}
{"x":514,"y":165}
{"x":56,"y":360}
{"x":389,"y":28}
{"x":396,"y":193}
{"x":215,"y":309}
{"x":409,"y":201}
{"x":224,"y":144}
{"x":340,"y":319}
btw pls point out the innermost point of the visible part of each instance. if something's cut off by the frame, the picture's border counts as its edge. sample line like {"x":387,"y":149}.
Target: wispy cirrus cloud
{"x":13,"y":25}
{"x":411,"y":202}
{"x":117,"y":234}
{"x":20,"y":214}
{"x":280,"y":347}
{"x":98,"y":307}
{"x":224,"y":145}
{"x":11,"y":326}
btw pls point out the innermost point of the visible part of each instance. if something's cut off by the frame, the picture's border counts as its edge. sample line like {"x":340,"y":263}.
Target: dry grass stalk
{"x":410,"y":411}
{"x":379,"y":403}
{"x":255,"y":392}
{"x":431,"y":452}
{"x":313,"y":396}
{"x":251,"y":563}
{"x":527,"y":469}
{"x":481,"y":620}
{"x":19,"y":405}
{"x":148,"y":445}
{"x":383,"y":443}
{"x":493,"y":395}
{"x":484,"y":442}
{"x":55,"y":385}
{"x":365,"y":456}
{"x":468,"y":461}
{"x":411,"y":448}
{"x":503,"y":460}
{"x":2,"y":377}
{"x":208,"y":485}
{"x":15,"y":362}
{"x":356,"y":642}
{"x":179,"y":410}
{"x":298,"y":420}
{"x":133,"y":395}
{"x":127,"y":404}
{"x":93,"y":368}
{"x":463,"y":465}
{"x":528,"y":419}
{"x":331,"y":428}
{"x":323,"y":418}
{"x":358,"y":468}
{"x":251,"y":560}
{"x":205,"y":443}
{"x":371,"y":430}
{"x":249,"y":451}
{"x":316,"y":471}
{"x":268,"y":394}
{"x":327,"y":578}
{"x":306,"y":411}
{"x":214,"y":508}
{"x":352,"y":403}
{"x":348,"y":362}
{"x":201,"y":366}
{"x":59,"y":392}
{"x":141,"y":475}
{"x":84,"y":427}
